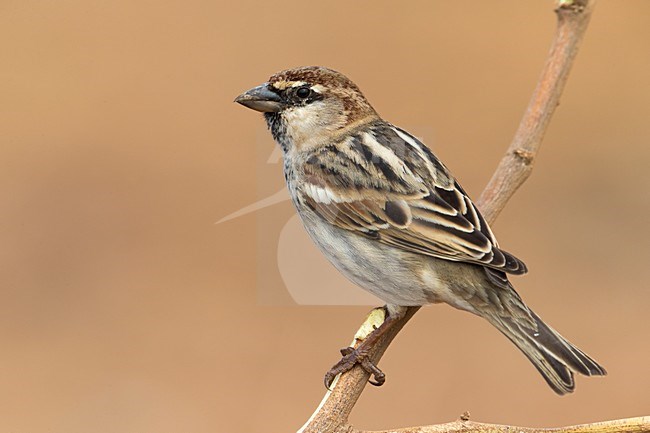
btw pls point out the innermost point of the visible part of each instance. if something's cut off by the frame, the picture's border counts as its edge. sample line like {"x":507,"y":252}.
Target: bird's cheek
{"x":301,"y":123}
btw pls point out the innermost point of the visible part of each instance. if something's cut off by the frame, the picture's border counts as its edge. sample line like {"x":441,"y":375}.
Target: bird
{"x":390,"y":216}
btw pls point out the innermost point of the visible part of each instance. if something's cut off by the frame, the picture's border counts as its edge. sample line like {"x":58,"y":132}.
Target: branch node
{"x":526,"y":156}
{"x":573,"y":6}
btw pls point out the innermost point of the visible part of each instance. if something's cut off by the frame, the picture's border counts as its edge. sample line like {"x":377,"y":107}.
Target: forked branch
{"x":332,"y":414}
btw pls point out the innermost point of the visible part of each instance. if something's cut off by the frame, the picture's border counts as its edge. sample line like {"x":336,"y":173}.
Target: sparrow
{"x":389,"y":215}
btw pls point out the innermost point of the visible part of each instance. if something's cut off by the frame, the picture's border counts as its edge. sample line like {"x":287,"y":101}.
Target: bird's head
{"x":306,"y":106}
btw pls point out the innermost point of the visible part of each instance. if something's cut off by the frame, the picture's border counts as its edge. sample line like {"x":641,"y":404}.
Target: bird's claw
{"x":352,"y":357}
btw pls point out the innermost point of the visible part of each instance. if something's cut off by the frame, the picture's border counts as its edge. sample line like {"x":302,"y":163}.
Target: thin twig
{"x":517,"y":164}
{"x":515,"y":167}
{"x":629,"y":425}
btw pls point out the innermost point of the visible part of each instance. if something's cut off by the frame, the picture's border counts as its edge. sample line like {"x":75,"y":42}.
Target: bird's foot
{"x":352,"y":357}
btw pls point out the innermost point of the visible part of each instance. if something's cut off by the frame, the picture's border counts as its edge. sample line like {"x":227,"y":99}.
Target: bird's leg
{"x":360,"y":355}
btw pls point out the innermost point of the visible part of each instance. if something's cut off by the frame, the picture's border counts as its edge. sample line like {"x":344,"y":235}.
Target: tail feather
{"x":553,"y":356}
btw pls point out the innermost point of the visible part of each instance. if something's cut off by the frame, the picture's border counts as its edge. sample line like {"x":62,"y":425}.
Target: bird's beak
{"x":261,"y":98}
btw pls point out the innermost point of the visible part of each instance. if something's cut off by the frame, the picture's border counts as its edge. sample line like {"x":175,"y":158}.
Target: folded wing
{"x":385,"y":184}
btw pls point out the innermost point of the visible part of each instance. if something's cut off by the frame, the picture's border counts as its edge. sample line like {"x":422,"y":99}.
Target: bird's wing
{"x":385,"y":184}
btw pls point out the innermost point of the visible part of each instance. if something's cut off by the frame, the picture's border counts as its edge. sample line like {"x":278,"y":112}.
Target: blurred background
{"x":125,"y":308}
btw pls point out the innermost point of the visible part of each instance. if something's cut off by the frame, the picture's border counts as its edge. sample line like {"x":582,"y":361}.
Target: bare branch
{"x":629,"y":425}
{"x":515,"y":167}
{"x":332,"y":414}
{"x":517,"y":164}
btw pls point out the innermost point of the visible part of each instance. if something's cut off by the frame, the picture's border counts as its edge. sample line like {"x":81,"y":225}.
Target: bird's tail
{"x":553,"y":356}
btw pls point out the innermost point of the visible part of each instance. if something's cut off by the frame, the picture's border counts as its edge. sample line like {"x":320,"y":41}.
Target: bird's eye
{"x":303,"y":92}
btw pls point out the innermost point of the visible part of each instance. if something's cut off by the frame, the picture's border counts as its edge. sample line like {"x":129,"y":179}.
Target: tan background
{"x":124,"y":308}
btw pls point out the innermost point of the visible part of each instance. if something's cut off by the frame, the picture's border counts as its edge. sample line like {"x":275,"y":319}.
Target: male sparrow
{"x":390,"y":216}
